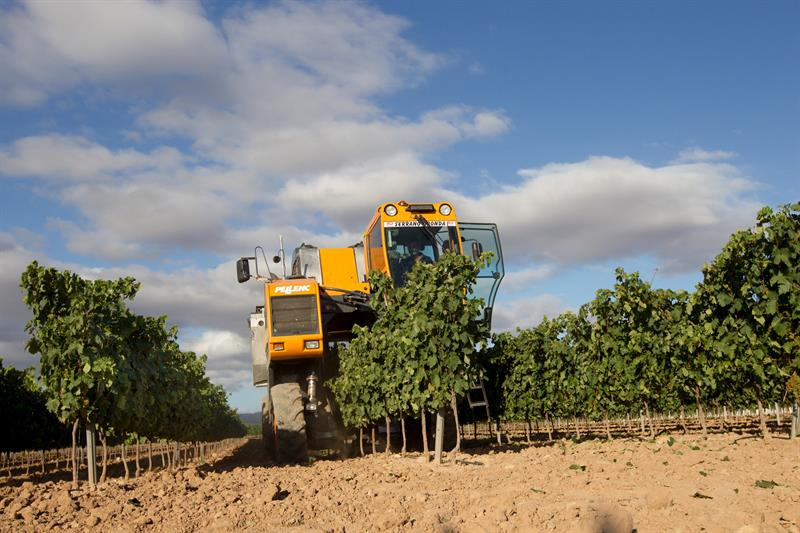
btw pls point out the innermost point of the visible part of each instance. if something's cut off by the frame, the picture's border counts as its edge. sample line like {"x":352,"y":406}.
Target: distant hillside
{"x":250,"y":418}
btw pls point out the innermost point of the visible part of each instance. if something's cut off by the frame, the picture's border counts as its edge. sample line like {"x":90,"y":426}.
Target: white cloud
{"x":242,"y":241}
{"x":13,"y":313}
{"x":219,"y":344}
{"x":698,"y":155}
{"x":228,"y":362}
{"x":151,"y":212}
{"x":296,"y":94}
{"x":609,"y":208}
{"x":97,"y":243}
{"x":518,"y":279}
{"x":350,"y":195}
{"x":332,"y":145}
{"x":59,"y":157}
{"x":278,"y":104}
{"x":354,"y":46}
{"x":525,"y":312}
{"x":490,"y":124}
{"x":131,"y":38}
{"x":191,"y":297}
{"x":48,"y":47}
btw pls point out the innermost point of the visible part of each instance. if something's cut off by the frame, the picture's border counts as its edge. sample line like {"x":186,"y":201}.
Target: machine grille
{"x":294,"y":315}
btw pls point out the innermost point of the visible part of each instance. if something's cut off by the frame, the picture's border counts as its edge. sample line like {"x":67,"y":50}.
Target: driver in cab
{"x":413,"y":255}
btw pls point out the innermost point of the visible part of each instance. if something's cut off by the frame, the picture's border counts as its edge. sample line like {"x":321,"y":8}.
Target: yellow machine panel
{"x":339,"y":269}
{"x":400,"y":230}
{"x":373,"y":246}
{"x":294,"y":320}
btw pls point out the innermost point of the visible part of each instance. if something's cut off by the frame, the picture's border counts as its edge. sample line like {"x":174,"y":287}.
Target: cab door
{"x":477,"y":238}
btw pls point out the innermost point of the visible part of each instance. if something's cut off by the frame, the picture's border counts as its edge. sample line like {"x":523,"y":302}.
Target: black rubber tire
{"x":290,"y":422}
{"x":268,"y":427}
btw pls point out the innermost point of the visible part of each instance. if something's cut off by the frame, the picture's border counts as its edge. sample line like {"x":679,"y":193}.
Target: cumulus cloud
{"x":175,"y":214}
{"x":13,"y":313}
{"x":49,"y":47}
{"x":278,"y":103}
{"x":219,"y":344}
{"x":517,"y":279}
{"x":69,"y":158}
{"x":349,"y":196}
{"x":333,"y":145}
{"x":298,"y":88}
{"x":526,"y":312}
{"x":225,"y":350}
{"x":610,"y":208}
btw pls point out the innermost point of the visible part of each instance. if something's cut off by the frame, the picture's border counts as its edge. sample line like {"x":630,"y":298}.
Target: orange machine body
{"x":386,"y":236}
{"x":327,"y":291}
{"x":294,"y":322}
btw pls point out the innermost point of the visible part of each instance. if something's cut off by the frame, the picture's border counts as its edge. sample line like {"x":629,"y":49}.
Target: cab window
{"x":376,"y":260}
{"x":408,"y":245}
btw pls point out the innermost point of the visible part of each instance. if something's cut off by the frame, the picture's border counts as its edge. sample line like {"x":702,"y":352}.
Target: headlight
{"x":390,"y":210}
{"x":445,"y":209}
{"x":312,"y":345}
{"x":277,"y":346}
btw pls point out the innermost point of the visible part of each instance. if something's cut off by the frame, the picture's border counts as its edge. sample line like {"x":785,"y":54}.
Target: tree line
{"x":26,"y":421}
{"x":104,"y":367}
{"x":734,"y":341}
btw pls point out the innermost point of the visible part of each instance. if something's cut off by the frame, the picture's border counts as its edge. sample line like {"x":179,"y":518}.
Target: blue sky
{"x":164,"y":140}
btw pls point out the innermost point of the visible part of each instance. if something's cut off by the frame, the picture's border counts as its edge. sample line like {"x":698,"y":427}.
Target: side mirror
{"x":477,"y":250}
{"x":243,"y":269}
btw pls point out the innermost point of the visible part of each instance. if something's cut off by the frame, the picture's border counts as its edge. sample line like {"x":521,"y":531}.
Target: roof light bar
{"x":421,"y":208}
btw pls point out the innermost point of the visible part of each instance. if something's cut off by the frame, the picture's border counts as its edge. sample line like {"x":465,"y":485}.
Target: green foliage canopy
{"x":420,"y":349}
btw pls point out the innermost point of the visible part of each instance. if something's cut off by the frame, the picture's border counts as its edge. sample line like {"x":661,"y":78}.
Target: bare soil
{"x":680,"y":483}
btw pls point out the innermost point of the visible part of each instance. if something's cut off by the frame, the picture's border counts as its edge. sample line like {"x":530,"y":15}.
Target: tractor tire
{"x":268,"y":433}
{"x":288,"y":407}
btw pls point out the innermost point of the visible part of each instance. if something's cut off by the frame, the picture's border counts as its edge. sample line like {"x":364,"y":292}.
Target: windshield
{"x":408,"y":243}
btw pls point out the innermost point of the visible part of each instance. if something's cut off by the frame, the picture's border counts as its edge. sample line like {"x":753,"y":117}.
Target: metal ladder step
{"x":481,"y":401}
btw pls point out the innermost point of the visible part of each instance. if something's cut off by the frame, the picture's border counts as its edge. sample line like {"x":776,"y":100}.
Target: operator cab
{"x":407,"y":246}
{"x":401,"y":235}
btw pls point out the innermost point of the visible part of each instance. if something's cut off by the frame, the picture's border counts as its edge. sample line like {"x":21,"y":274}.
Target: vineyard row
{"x":156,"y":455}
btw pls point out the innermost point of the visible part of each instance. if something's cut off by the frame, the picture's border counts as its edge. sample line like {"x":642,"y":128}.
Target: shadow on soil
{"x":253,"y":454}
{"x":250,"y":454}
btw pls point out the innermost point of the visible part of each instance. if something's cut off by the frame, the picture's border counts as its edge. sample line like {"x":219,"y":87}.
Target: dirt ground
{"x":687,"y":484}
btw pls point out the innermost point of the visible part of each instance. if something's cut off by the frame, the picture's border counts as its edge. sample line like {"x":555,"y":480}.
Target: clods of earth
{"x":681,"y":483}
